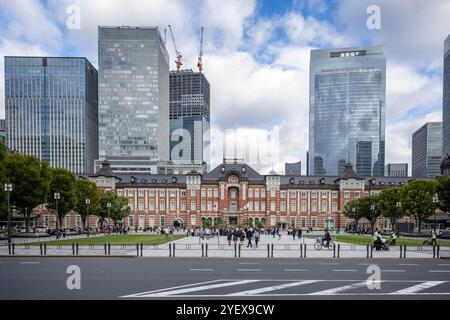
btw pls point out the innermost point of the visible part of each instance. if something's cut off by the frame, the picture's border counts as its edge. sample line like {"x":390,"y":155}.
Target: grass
{"x":365,"y":240}
{"x":129,"y":239}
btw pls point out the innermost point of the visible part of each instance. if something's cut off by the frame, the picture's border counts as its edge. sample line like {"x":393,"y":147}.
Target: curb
{"x":68,"y":256}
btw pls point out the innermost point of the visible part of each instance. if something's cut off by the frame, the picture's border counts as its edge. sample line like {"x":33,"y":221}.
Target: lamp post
{"x":108,"y":205}
{"x":88,"y":202}
{"x":436,"y":202}
{"x":399,"y":207}
{"x":57,"y":196}
{"x":8,"y":189}
{"x":372,"y":208}
{"x":354,"y":222}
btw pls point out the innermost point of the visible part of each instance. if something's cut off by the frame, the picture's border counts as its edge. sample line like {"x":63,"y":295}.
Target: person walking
{"x":280,"y":232}
{"x":433,"y":238}
{"x":235,"y":236}
{"x":256,"y":234}
{"x":299,"y":233}
{"x":294,"y":232}
{"x":249,"y":235}
{"x":229,"y":236}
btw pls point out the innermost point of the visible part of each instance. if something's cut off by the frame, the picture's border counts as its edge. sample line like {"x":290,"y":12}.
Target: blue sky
{"x":257,"y":55}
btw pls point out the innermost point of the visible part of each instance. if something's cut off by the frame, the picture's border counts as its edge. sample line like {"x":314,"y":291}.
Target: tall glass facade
{"x":133,"y":96}
{"x":52,"y":110}
{"x":427,"y":150}
{"x":189,"y":116}
{"x":347,"y":110}
{"x":446,"y":100}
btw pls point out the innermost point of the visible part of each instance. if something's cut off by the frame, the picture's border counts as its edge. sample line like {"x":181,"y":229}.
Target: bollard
{"x":137,"y":249}
{"x":272,"y":251}
{"x":235,"y":250}
{"x":106,"y":251}
{"x":109,"y":249}
{"x":339,"y":251}
{"x":76,"y":247}
{"x":301,"y":251}
{"x":371,"y":251}
{"x":438,"y":249}
{"x":304,"y":251}
{"x":334,"y":251}
{"x":268,"y":250}
{"x":45,"y":249}
{"x":206,"y":251}
{"x":170,"y":249}
{"x":401,"y":251}
{"x":434,"y":251}
{"x":367,"y":247}
{"x":142,"y":247}
{"x":40,"y":247}
{"x":9,"y":248}
{"x":239,"y":250}
{"x":13,"y":248}
{"x":203,"y":250}
{"x":173,"y":252}
{"x":404,"y":252}
{"x":73,"y":249}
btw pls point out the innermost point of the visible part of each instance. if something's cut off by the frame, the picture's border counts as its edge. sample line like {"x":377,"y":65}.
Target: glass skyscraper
{"x":427,"y":150}
{"x":446,"y":100}
{"x":51,"y":106}
{"x":189,"y":116}
{"x":133,"y":97}
{"x":347,"y":110}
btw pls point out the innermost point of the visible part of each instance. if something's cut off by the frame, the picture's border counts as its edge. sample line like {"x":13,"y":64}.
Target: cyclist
{"x":326,"y":237}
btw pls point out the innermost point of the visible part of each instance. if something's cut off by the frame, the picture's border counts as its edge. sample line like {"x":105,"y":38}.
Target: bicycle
{"x":319,"y":245}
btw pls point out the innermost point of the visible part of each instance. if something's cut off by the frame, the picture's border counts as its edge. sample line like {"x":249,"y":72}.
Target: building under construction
{"x":189,"y":95}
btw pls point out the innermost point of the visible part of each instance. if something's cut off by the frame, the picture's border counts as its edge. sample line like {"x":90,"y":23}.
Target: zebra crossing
{"x":239,"y":288}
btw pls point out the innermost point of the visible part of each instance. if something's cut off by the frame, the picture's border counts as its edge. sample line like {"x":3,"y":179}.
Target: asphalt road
{"x":193,"y":278}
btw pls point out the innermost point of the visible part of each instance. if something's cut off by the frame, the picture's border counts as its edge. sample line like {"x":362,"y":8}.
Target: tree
{"x":388,"y":199}
{"x":3,"y":195}
{"x":63,"y":182}
{"x":417,"y":199}
{"x":443,"y":191}
{"x":367,"y":207}
{"x":85,"y":189}
{"x":119,"y":207}
{"x":30,"y":179}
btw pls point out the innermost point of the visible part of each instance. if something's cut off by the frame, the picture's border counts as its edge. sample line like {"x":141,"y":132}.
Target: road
{"x":194,"y":278}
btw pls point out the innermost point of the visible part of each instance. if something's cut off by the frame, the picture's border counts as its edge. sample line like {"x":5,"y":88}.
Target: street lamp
{"x":57,"y":196}
{"x":436,"y":202}
{"x":88,"y":202}
{"x":372,"y":208}
{"x":8,"y":189}
{"x":108,"y":205}
{"x":354,"y":222}
{"x":399,"y":207}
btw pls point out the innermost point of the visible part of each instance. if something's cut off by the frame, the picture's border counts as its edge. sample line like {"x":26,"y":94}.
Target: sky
{"x":256,"y":57}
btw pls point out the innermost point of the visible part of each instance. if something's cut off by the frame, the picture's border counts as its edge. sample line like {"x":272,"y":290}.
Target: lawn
{"x":364,"y":240}
{"x":130,"y":239}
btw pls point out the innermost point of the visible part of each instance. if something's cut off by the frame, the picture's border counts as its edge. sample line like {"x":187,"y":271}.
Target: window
{"x":172,"y":206}
{"x":193,"y":193}
{"x":216,"y":193}
{"x":120,"y":192}
{"x":346,"y":194}
{"x":303,"y":208}
{"x":193,"y":220}
{"x":283,"y":194}
{"x":193,"y":205}
{"x":250,"y":193}
{"x":78,"y":221}
{"x":173,"y":193}
{"x":162,"y":220}
{"x":324,"y":194}
{"x":209,"y":205}
{"x":152,"y":205}
{"x":324,"y":206}
{"x":162,"y":205}
{"x":203,"y":206}
{"x":183,"y":193}
{"x":183,"y":205}
{"x":250,"y":206}
{"x":216,"y":206}
{"x":130,"y":221}
{"x":314,"y":206}
{"x":366,"y":194}
{"x":283,"y":206}
{"x":314,"y":194}
{"x":203,"y":193}
{"x":334,"y":206}
{"x":263,"y":193}
{"x":162,"y":193}
{"x":256,"y":193}
{"x":130,"y":193}
{"x":130,"y":205}
{"x":256,"y":206}
{"x":357,"y":194}
{"x":272,"y":220}
{"x":293,"y":206}
{"x":303,"y":222}
{"x":293,"y":222}
{"x":263,"y":206}
{"x":292,"y":194}
{"x":151,"y":193}
{"x":209,"y":192}
{"x":272,"y":205}
{"x":314,"y":222}
{"x":334,"y":195}
{"x":303,"y":194}
{"x":272,"y":193}
{"x":141,"y":205}
{"x":141,"y":193}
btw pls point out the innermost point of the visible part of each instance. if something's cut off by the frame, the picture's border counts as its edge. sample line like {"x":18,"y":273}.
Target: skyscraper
{"x":397,"y":169}
{"x":2,"y":131}
{"x":51,"y":106}
{"x":293,"y":169}
{"x":347,"y":110}
{"x":446,"y":100}
{"x":427,"y":150}
{"x":189,"y":116}
{"x":133,"y":97}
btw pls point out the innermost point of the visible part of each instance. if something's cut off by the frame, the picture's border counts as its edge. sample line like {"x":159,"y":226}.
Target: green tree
{"x":367,"y":207}
{"x":388,"y":199}
{"x":218,"y":221}
{"x":30,"y":179}
{"x":443,"y":191}
{"x":3,"y":195}
{"x":63,"y":182}
{"x":119,"y":207}
{"x":85,"y":189}
{"x":417,"y":199}
{"x":206,"y":223}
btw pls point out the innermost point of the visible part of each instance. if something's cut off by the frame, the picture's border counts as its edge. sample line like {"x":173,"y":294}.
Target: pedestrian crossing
{"x":292,"y":288}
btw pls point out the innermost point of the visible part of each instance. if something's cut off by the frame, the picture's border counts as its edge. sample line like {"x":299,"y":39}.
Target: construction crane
{"x":177,"y":53}
{"x":200,"y":54}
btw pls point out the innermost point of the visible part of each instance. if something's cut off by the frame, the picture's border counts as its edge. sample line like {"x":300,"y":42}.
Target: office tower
{"x":189,"y":116}
{"x":347,"y":110}
{"x":2,"y":131}
{"x":293,"y":169}
{"x":307,"y":163}
{"x":133,"y":97}
{"x":397,"y":169}
{"x":51,"y":106}
{"x":446,"y":100}
{"x":427,"y":150}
